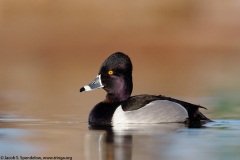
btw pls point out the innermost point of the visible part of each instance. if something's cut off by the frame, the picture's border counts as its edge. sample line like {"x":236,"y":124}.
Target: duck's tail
{"x":197,"y":120}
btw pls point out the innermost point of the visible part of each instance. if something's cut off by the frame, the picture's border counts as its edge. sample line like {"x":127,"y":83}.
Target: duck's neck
{"x":115,"y":98}
{"x":121,"y":92}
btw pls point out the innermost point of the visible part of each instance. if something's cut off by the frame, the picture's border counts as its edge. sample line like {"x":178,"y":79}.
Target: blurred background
{"x":184,"y":49}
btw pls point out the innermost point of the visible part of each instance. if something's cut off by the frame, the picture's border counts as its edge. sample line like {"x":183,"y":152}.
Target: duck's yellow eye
{"x":110,"y":72}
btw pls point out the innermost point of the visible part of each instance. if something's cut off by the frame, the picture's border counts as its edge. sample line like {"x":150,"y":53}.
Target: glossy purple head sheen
{"x":117,"y":82}
{"x":119,"y":61}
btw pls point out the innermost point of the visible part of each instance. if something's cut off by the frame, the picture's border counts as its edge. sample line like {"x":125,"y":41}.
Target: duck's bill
{"x":97,"y":83}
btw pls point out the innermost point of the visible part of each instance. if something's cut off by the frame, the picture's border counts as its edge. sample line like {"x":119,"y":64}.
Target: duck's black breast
{"x":102,"y":113}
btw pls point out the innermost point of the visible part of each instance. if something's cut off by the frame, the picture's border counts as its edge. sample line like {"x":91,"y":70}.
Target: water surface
{"x":75,"y":139}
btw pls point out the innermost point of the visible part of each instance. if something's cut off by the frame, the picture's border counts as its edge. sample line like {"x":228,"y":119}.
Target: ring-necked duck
{"x":115,"y":77}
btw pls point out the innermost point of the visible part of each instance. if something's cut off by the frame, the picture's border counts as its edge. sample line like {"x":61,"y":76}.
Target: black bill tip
{"x":82,"y":89}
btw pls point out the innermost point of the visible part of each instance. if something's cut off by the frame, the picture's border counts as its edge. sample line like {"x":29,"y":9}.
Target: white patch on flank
{"x":87,"y":88}
{"x":158,"y":111}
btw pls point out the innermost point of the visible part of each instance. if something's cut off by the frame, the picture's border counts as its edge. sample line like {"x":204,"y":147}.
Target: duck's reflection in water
{"x":117,"y":142}
{"x":117,"y":146}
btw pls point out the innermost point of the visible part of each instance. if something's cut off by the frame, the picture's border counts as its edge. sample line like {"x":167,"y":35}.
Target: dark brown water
{"x":49,"y":49}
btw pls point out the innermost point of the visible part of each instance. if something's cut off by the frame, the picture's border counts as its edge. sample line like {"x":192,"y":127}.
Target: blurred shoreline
{"x":49,"y":49}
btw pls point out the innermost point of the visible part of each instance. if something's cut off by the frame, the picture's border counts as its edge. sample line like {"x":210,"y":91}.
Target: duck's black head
{"x":115,"y":76}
